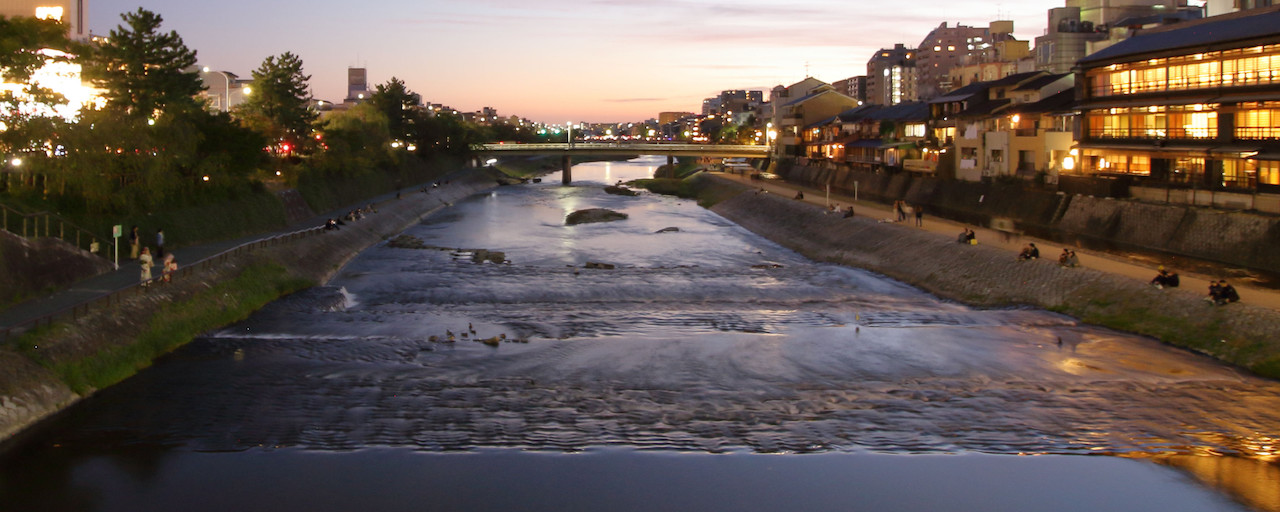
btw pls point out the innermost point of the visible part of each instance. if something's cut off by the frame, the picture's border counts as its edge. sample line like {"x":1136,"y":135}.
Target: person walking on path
{"x":170,"y":266}
{"x":133,"y":243}
{"x":919,"y":210}
{"x":899,"y":209}
{"x":146,"y":262}
{"x":159,"y":243}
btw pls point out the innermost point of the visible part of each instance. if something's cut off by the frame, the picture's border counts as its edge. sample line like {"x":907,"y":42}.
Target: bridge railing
{"x":664,"y":147}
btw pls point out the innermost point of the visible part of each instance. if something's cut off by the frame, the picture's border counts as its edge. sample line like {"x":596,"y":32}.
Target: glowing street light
{"x":16,"y":162}
{"x":226,"y":80}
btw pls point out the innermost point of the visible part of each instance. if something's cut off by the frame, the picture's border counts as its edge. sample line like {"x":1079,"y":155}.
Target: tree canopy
{"x":399,"y":105}
{"x":142,"y":71}
{"x":279,"y":105}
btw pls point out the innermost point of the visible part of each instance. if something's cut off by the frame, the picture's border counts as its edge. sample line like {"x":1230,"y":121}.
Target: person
{"x":799,"y":195}
{"x":1226,"y":293}
{"x":848,"y":213}
{"x":1029,"y":252}
{"x":919,"y":210}
{"x":1215,"y":292}
{"x":1072,"y":260}
{"x":133,"y":243}
{"x":170,"y":266}
{"x":898,"y":208}
{"x":159,"y":243}
{"x":968,"y":237}
{"x":331,"y":225}
{"x":1064,"y":257}
{"x":1166,"y":279}
{"x":1172,"y":280}
{"x":146,"y":262}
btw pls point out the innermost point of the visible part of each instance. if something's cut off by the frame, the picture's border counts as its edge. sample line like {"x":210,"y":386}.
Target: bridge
{"x":621,"y":149}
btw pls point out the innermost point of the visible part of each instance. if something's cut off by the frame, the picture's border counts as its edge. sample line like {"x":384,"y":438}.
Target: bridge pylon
{"x":566,"y":170}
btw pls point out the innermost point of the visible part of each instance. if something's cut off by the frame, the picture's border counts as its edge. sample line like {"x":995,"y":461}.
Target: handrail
{"x":652,"y":146}
{"x":31,"y":228}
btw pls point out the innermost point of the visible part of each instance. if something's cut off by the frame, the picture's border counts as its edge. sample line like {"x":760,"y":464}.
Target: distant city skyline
{"x":555,"y":61}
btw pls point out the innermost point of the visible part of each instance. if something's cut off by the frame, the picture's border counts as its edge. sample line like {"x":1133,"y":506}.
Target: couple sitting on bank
{"x":1029,"y":252}
{"x":1221,"y":293}
{"x":1166,"y":279}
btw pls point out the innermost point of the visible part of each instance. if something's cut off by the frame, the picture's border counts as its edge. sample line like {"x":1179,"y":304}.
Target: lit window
{"x":52,"y":13}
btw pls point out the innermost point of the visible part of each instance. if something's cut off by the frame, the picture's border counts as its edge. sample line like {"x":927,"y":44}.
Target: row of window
{"x":1236,"y":172}
{"x":1258,"y":65}
{"x":1253,"y":121}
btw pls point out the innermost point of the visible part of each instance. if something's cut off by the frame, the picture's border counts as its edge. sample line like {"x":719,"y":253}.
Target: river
{"x":709,"y":369}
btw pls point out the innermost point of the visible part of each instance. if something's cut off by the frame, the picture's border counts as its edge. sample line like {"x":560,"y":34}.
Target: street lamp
{"x":570,"y":139}
{"x":226,"y":89}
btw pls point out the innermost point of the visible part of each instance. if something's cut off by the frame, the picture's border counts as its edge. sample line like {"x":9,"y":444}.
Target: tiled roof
{"x":1217,"y":30}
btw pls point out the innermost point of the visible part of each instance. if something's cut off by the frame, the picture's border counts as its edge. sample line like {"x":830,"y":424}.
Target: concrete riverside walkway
{"x":1111,"y":263}
{"x":129,"y":273}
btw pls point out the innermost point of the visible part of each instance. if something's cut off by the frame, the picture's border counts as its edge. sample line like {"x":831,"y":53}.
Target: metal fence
{"x":45,"y":224}
{"x":106,"y":300}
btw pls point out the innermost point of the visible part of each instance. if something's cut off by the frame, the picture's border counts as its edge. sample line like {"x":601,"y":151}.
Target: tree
{"x":142,"y":71}
{"x":397,"y":103}
{"x":27,"y":116}
{"x":279,"y":106}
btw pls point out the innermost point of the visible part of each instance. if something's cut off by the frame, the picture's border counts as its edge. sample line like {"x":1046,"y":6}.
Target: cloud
{"x":635,"y":100}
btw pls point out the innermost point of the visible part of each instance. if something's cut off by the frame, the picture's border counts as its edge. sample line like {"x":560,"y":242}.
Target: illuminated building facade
{"x":1191,"y":106}
{"x":72,"y":12}
{"x":891,"y":76}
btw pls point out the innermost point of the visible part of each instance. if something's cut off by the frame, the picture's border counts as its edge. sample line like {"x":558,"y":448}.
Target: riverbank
{"x":52,"y":368}
{"x":1240,"y":334}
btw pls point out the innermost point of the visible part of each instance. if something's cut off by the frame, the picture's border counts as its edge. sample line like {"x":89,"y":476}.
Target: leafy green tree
{"x":144,"y":72}
{"x":279,"y":106}
{"x":398,"y":104}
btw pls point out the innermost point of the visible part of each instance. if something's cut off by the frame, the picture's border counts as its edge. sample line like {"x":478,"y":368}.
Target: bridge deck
{"x":608,"y":148}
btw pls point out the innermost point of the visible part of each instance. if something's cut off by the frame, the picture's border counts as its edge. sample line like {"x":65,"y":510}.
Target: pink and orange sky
{"x":558,"y":60}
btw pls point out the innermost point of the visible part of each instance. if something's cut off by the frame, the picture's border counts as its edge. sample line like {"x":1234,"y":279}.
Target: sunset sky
{"x":558,"y":60}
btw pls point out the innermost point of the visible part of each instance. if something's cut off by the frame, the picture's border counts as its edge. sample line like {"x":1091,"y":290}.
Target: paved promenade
{"x":1097,"y":260}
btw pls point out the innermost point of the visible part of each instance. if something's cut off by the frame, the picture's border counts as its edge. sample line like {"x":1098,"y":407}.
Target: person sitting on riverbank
{"x":968,"y":237}
{"x":1166,"y":279}
{"x":848,"y":213}
{"x":331,"y":225}
{"x":1222,"y":293}
{"x":1068,"y":258}
{"x":1029,"y":252}
{"x":799,"y":195}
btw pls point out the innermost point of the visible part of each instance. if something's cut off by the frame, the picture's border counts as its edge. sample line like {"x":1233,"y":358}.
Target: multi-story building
{"x":74,"y":13}
{"x":357,"y":85}
{"x":223,"y":89}
{"x":1186,"y":109}
{"x":1218,"y":7}
{"x":943,"y":49}
{"x":892,"y":76}
{"x":1087,"y":26}
{"x":854,"y":87}
{"x":798,"y":114}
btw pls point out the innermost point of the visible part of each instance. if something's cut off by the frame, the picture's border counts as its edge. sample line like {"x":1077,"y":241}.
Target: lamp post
{"x":226,"y":89}
{"x":570,"y":138}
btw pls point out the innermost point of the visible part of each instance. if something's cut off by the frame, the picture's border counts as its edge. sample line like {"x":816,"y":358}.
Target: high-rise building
{"x":74,"y":13}
{"x":1086,"y":26}
{"x":941,"y":51}
{"x":357,"y":84}
{"x":891,"y":76}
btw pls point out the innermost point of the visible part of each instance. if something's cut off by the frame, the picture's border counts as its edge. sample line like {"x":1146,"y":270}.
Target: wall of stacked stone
{"x":1237,"y":238}
{"x":982,"y":275}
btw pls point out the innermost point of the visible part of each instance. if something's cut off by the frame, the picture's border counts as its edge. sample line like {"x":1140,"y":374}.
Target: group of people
{"x":1221,"y":293}
{"x":335,"y":224}
{"x":1029,"y":252}
{"x":1068,"y":258}
{"x":967,"y":237}
{"x":902,"y":209}
{"x":169,"y":265}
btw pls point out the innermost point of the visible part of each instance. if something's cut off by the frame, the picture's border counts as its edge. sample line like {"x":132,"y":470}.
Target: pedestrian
{"x":133,"y":243}
{"x":919,"y":215}
{"x":145,"y":261}
{"x":898,"y":208}
{"x":159,"y":243}
{"x":170,"y":266}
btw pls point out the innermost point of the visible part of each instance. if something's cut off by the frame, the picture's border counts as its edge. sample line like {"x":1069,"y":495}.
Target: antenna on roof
{"x":806,"y":69}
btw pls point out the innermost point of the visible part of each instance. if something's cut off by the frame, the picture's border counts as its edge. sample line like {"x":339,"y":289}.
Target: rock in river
{"x":593,"y":215}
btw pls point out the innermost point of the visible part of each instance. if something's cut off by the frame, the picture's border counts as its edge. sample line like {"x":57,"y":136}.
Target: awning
{"x":1268,"y":156}
{"x":864,"y":143}
{"x":889,"y":145}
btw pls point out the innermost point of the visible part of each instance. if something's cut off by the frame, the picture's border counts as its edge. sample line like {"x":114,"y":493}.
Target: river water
{"x":710,"y":369}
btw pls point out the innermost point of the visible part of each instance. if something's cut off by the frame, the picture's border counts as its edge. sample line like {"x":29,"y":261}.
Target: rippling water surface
{"x":708,"y":340}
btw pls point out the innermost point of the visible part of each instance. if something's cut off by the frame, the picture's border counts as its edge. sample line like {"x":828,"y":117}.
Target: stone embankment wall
{"x":30,"y":392}
{"x":1240,"y":334}
{"x":30,"y":265}
{"x":1236,"y":238}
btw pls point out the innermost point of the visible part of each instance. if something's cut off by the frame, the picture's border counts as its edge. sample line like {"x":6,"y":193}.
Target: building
{"x":854,"y":87}
{"x":942,"y":50}
{"x":1087,"y":26}
{"x":1190,"y":113}
{"x":1218,"y":7}
{"x":891,"y":76}
{"x":671,"y":117}
{"x":74,"y":13}
{"x":357,"y":85}
{"x":795,"y":116}
{"x":223,"y":89}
